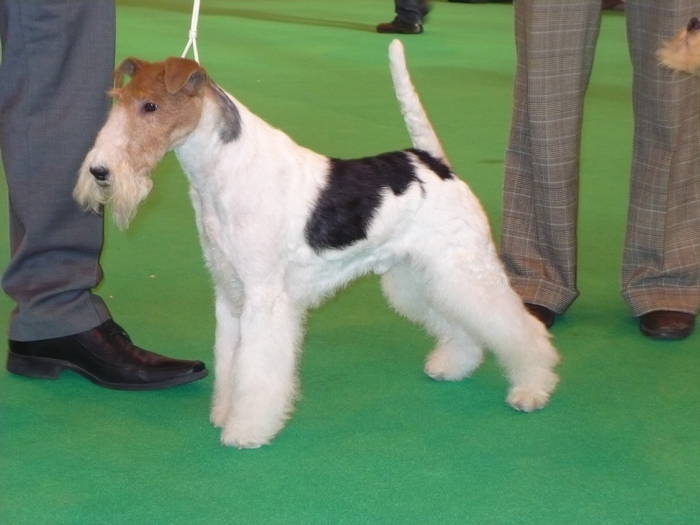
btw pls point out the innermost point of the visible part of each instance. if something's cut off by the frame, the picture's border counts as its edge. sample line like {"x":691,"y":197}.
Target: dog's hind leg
{"x":227,"y":339}
{"x":264,"y":369}
{"x":477,"y":293}
{"x":456,"y":355}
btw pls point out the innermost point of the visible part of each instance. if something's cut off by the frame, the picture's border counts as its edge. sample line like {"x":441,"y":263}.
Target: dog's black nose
{"x":694,"y":24}
{"x":99,"y":172}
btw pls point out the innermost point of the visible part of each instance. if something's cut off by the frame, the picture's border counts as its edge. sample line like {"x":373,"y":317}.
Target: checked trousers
{"x":555,"y":41}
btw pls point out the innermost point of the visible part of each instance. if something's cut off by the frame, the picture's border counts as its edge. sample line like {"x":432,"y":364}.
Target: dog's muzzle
{"x":693,"y":25}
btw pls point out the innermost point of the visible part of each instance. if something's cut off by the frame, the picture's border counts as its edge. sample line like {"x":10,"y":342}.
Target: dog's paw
{"x":527,"y":398}
{"x":242,"y":442}
{"x":248,"y":434}
{"x":218,"y":415}
{"x":450,"y":364}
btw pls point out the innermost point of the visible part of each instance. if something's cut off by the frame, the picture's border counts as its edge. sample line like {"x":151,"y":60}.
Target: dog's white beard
{"x":126,"y":195}
{"x":123,"y":194}
{"x":87,"y":193}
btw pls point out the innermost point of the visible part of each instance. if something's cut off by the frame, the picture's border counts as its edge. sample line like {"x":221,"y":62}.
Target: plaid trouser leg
{"x":555,"y":42}
{"x":661,"y":267}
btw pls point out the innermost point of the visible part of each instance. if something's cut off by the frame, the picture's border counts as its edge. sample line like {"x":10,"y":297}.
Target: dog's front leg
{"x":227,"y":340}
{"x":264,"y":369}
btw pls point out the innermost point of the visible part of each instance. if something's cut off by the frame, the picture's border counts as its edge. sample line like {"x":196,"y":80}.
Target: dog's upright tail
{"x":419,"y":127}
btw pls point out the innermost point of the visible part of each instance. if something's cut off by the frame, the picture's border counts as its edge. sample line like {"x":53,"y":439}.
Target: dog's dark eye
{"x":149,"y":107}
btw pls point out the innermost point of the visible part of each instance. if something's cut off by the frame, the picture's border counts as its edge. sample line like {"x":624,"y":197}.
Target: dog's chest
{"x":213,"y":234}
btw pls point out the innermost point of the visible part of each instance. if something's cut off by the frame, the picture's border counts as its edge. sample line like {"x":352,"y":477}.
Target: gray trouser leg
{"x":410,"y":11}
{"x":57,"y":62}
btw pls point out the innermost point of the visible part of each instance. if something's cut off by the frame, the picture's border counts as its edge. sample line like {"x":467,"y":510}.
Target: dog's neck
{"x":248,"y":147}
{"x":198,"y":150}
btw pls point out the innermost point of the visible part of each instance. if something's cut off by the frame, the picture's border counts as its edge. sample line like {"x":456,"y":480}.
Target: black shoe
{"x":399,"y":26}
{"x":106,"y":356}
{"x":667,"y":324}
{"x":544,"y":314}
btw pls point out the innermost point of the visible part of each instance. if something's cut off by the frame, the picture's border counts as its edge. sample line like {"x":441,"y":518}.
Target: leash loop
{"x":192,"y":42}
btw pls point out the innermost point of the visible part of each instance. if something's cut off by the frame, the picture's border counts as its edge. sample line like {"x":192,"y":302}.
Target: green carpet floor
{"x":373,"y":440}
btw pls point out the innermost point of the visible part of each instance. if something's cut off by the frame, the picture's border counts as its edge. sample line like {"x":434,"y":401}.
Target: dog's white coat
{"x":431,"y":244}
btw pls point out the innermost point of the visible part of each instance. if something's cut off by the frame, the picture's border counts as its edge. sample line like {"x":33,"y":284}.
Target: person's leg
{"x":409,"y":17}
{"x":555,"y":42}
{"x":661,"y":267}
{"x":57,"y":65}
{"x":410,"y":11}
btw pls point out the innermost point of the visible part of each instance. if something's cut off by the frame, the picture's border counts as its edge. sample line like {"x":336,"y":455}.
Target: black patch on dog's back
{"x":439,"y":167}
{"x":346,"y":205}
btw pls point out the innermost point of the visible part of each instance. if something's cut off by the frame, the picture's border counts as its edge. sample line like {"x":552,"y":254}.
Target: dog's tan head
{"x":163,"y":100}
{"x":152,"y":114}
{"x":682,"y":52}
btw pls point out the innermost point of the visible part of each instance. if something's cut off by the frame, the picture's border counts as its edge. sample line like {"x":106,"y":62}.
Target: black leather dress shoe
{"x":106,"y":356}
{"x":544,"y":314}
{"x":399,"y":26}
{"x":667,"y":324}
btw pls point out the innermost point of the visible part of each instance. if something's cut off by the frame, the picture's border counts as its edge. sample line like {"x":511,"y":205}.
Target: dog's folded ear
{"x":182,"y":74}
{"x":128,"y":67}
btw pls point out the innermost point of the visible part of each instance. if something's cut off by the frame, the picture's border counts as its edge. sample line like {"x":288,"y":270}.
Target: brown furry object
{"x":682,"y":52}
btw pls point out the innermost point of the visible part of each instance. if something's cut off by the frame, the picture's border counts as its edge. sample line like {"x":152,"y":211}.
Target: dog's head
{"x":152,"y":114}
{"x":682,"y":52}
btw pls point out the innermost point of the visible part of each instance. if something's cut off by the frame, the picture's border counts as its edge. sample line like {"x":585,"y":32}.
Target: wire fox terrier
{"x":283,"y":227}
